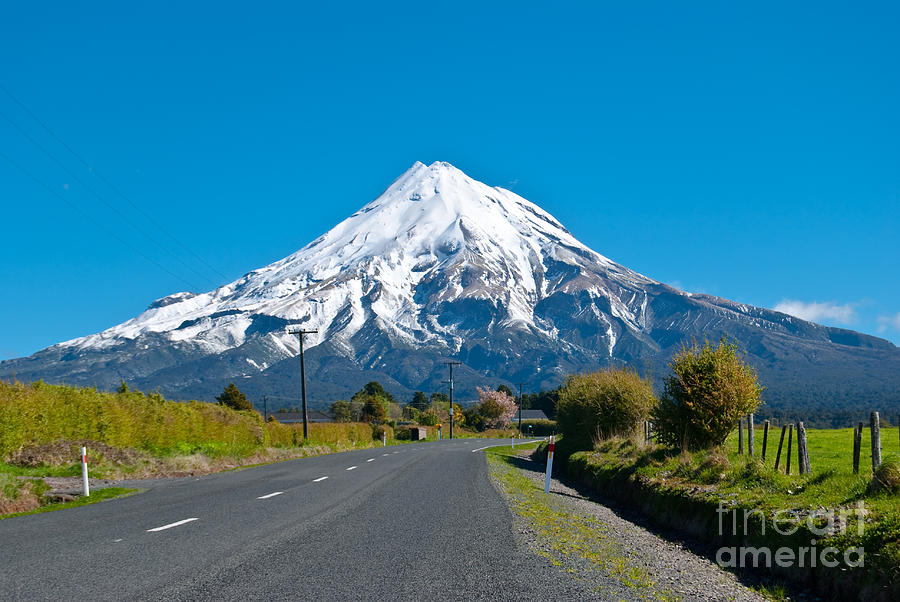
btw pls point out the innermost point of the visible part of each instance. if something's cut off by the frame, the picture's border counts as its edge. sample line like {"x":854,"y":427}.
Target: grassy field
{"x":723,"y":477}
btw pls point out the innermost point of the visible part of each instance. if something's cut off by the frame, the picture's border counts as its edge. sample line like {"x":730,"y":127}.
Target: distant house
{"x":293,"y":417}
{"x":529,"y":415}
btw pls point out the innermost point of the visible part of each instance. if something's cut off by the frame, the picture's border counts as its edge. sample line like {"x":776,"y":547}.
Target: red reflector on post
{"x":551,"y":447}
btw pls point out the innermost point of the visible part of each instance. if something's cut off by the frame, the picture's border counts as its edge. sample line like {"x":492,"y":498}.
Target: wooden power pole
{"x":451,"y":364}
{"x":301,"y":332}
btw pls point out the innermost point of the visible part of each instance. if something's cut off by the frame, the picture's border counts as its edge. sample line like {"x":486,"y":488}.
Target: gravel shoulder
{"x":613,"y":556}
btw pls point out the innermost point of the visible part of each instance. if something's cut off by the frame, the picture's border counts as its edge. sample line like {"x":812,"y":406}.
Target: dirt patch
{"x":26,"y":500}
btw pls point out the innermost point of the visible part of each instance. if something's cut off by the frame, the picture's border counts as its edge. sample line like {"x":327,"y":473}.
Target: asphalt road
{"x":419,"y":521}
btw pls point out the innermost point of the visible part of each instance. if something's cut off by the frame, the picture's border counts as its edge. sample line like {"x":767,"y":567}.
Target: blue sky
{"x":749,"y":152}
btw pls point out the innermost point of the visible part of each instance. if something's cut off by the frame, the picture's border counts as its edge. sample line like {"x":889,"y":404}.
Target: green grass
{"x":738,"y":482}
{"x":98,"y":495}
{"x":566,"y":537}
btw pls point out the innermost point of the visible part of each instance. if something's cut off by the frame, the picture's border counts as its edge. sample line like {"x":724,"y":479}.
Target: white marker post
{"x":384,"y":439}
{"x":84,"y":475}
{"x":549,"y":463}
{"x":512,"y":441}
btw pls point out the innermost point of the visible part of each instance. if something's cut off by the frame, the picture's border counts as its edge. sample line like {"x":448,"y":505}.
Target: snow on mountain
{"x":433,"y":225}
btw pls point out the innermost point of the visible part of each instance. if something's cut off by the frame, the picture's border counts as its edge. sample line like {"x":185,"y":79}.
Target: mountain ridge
{"x":442,"y":266}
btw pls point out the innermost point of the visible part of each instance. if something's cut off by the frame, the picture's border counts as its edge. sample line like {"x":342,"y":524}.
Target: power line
{"x":112,"y":187}
{"x":91,"y":218}
{"x":97,"y":195}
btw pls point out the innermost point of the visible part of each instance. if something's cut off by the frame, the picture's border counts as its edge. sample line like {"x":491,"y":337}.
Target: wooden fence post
{"x":857,"y":444}
{"x":876,"y":440}
{"x":751,"y":436}
{"x":787,"y":460}
{"x":765,"y":439}
{"x":802,"y":450}
{"x":780,"y":444}
{"x":741,"y":436}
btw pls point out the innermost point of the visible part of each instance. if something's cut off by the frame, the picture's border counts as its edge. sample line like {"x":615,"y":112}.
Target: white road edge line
{"x":267,"y":496}
{"x":351,"y":468}
{"x":502,"y":444}
{"x":319,"y":479}
{"x":169,"y":526}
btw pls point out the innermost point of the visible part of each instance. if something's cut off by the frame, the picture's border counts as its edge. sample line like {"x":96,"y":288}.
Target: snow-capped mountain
{"x":439,"y":266}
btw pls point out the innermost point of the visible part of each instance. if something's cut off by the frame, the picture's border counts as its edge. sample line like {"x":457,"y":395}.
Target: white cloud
{"x":819,"y":312}
{"x":885,"y":322}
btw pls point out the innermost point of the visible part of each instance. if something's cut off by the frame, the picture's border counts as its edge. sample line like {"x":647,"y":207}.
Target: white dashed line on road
{"x":170,"y":525}
{"x":384,"y":454}
{"x":267,"y":496}
{"x":351,"y":468}
{"x":319,"y":479}
{"x":370,"y":460}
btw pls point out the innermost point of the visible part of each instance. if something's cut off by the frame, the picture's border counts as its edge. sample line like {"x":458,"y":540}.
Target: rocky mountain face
{"x":440,"y":267}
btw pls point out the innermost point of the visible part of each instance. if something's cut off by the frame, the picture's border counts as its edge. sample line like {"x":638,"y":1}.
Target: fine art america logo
{"x":819,"y":523}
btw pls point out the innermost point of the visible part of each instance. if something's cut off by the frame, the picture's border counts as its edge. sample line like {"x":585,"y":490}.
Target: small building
{"x":295,"y":417}
{"x":418,"y":433}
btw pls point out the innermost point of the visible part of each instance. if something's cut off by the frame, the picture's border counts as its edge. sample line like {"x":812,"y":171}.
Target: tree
{"x":340,"y":411}
{"x":507,"y":390}
{"x":356,"y":408}
{"x":708,"y":391}
{"x":419,"y":401}
{"x":373,"y":410}
{"x":496,"y":407}
{"x":474,"y":419}
{"x":545,"y":400}
{"x":439,"y":398}
{"x":373,"y":388}
{"x":234,"y":399}
{"x":602,"y":404}
{"x":123,"y":388}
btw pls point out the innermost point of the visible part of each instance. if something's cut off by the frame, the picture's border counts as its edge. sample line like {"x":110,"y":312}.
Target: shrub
{"x":474,"y":419}
{"x":887,"y":476}
{"x":709,"y":389}
{"x":340,"y":411}
{"x":538,"y":428}
{"x":429,"y":418}
{"x":602,"y":404}
{"x":380,"y":430}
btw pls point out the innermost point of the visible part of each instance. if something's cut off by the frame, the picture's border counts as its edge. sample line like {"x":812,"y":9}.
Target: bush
{"x":887,"y":476}
{"x":340,"y":411}
{"x":380,"y":430}
{"x":708,"y":391}
{"x":602,"y":404}
{"x":539,"y":428}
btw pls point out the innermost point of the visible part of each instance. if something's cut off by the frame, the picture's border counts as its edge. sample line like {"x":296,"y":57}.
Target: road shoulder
{"x":612,"y":556}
